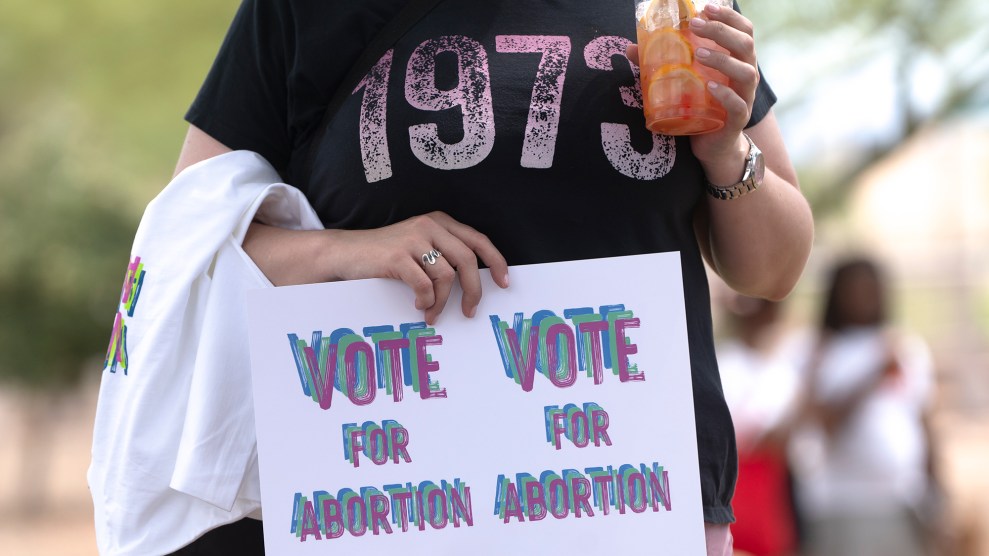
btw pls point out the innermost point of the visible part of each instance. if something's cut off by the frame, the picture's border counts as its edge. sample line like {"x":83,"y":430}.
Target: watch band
{"x":732,"y":191}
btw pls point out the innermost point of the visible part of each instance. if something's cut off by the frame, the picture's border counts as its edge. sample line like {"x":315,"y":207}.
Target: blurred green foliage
{"x":92,"y":95}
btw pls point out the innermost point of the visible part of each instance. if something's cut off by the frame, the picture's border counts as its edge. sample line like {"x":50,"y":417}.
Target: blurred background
{"x":884,"y":105}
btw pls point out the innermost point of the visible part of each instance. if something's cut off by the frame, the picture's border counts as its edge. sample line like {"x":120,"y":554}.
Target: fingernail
{"x":697,"y":23}
{"x":712,"y":8}
{"x":472,"y":312}
{"x":703,"y":53}
{"x":506,"y":280}
{"x":712,"y":85}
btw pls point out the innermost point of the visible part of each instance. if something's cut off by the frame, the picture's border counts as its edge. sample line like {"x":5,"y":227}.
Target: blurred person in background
{"x":761,"y":387}
{"x":864,"y":451}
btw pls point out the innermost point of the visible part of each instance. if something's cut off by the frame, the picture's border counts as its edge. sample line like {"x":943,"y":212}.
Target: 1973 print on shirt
{"x":472,"y":95}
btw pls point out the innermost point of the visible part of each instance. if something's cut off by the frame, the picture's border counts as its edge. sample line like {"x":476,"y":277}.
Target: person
{"x":762,"y":390}
{"x":505,"y":133}
{"x":864,"y":457}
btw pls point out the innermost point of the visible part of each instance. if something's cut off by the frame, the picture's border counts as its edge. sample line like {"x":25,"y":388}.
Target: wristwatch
{"x":755,"y":170}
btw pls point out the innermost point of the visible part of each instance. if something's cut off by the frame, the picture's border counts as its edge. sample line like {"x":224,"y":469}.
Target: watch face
{"x":759,"y":168}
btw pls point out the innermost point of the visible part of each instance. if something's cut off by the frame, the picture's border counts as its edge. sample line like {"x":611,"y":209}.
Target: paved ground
{"x":63,"y":524}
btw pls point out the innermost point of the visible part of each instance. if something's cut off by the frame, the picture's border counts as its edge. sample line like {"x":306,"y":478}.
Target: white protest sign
{"x":558,"y":419}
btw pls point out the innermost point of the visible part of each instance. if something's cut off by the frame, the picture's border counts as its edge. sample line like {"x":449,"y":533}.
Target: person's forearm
{"x":289,"y":257}
{"x":427,"y":252}
{"x":759,"y":243}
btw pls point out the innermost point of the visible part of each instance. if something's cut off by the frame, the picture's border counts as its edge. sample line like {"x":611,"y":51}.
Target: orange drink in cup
{"x":675,"y":96}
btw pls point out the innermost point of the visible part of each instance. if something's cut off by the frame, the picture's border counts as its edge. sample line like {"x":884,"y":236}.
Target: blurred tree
{"x":92,"y":94}
{"x":65,"y":254}
{"x":90,"y":125}
{"x":936,"y":48}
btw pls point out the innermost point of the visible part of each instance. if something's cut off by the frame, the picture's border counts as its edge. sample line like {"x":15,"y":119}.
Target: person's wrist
{"x":724,"y":168}
{"x":327,"y":250}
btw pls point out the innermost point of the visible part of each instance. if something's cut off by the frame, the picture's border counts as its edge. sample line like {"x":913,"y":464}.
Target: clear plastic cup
{"x":676,"y":99}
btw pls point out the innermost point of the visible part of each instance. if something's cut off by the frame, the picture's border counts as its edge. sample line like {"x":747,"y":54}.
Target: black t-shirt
{"x":521,"y":118}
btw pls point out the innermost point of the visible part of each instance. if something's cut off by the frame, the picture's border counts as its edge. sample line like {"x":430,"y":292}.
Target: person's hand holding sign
{"x":427,"y":252}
